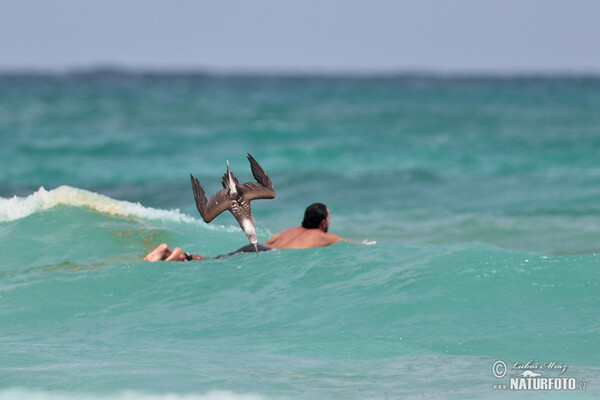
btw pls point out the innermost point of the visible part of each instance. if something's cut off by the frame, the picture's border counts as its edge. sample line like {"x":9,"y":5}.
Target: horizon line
{"x":423,"y":73}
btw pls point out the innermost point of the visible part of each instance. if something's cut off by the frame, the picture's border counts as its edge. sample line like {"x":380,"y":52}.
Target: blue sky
{"x":315,"y":36}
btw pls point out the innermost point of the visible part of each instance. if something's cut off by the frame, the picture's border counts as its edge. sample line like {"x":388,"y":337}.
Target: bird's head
{"x":248,"y":228}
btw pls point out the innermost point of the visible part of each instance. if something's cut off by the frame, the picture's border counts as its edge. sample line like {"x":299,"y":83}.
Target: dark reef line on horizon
{"x":400,"y":75}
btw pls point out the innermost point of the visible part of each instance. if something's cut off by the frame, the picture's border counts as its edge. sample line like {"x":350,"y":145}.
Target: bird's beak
{"x":256,"y":248}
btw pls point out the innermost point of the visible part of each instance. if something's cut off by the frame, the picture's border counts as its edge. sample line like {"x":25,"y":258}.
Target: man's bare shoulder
{"x":332,"y":238}
{"x":292,"y":230}
{"x":318,"y":238}
{"x":299,"y":230}
{"x":282,"y":238}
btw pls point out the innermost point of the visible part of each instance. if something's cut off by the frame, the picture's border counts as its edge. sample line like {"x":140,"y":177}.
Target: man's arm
{"x":331,"y":239}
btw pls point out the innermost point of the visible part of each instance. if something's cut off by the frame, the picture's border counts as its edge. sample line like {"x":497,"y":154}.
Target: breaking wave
{"x":21,"y":207}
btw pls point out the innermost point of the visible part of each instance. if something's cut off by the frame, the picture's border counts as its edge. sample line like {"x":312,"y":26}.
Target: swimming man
{"x":312,"y":233}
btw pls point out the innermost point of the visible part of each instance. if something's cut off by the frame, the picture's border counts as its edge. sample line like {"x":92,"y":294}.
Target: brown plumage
{"x":235,"y":197}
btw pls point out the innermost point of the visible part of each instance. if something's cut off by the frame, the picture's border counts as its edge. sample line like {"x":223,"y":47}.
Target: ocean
{"x":483,"y":194}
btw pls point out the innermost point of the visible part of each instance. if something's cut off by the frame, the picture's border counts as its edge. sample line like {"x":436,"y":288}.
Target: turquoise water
{"x":483,"y":196}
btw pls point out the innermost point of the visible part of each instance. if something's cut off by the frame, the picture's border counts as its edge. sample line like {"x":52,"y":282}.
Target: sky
{"x":350,"y":36}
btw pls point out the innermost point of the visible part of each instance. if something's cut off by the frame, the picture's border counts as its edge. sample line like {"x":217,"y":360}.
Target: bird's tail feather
{"x":229,"y":181}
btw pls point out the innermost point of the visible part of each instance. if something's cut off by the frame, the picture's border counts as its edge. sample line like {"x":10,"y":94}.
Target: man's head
{"x":316,"y":216}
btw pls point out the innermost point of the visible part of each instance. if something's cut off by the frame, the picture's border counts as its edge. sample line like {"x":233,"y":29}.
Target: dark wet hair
{"x":314,"y":214}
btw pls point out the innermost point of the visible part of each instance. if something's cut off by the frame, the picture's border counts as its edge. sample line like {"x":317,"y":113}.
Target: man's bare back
{"x":301,"y":238}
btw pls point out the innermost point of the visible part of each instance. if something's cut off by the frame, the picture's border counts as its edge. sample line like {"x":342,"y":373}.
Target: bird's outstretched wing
{"x":262,"y":188}
{"x":212,"y":207}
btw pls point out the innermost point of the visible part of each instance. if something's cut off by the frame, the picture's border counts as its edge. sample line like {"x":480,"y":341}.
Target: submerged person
{"x":312,"y":233}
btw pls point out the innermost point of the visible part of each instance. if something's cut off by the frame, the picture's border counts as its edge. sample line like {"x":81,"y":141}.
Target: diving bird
{"x":236,"y":198}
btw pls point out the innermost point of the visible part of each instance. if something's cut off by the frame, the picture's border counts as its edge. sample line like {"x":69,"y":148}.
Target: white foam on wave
{"x":18,"y":394}
{"x":20,"y":207}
